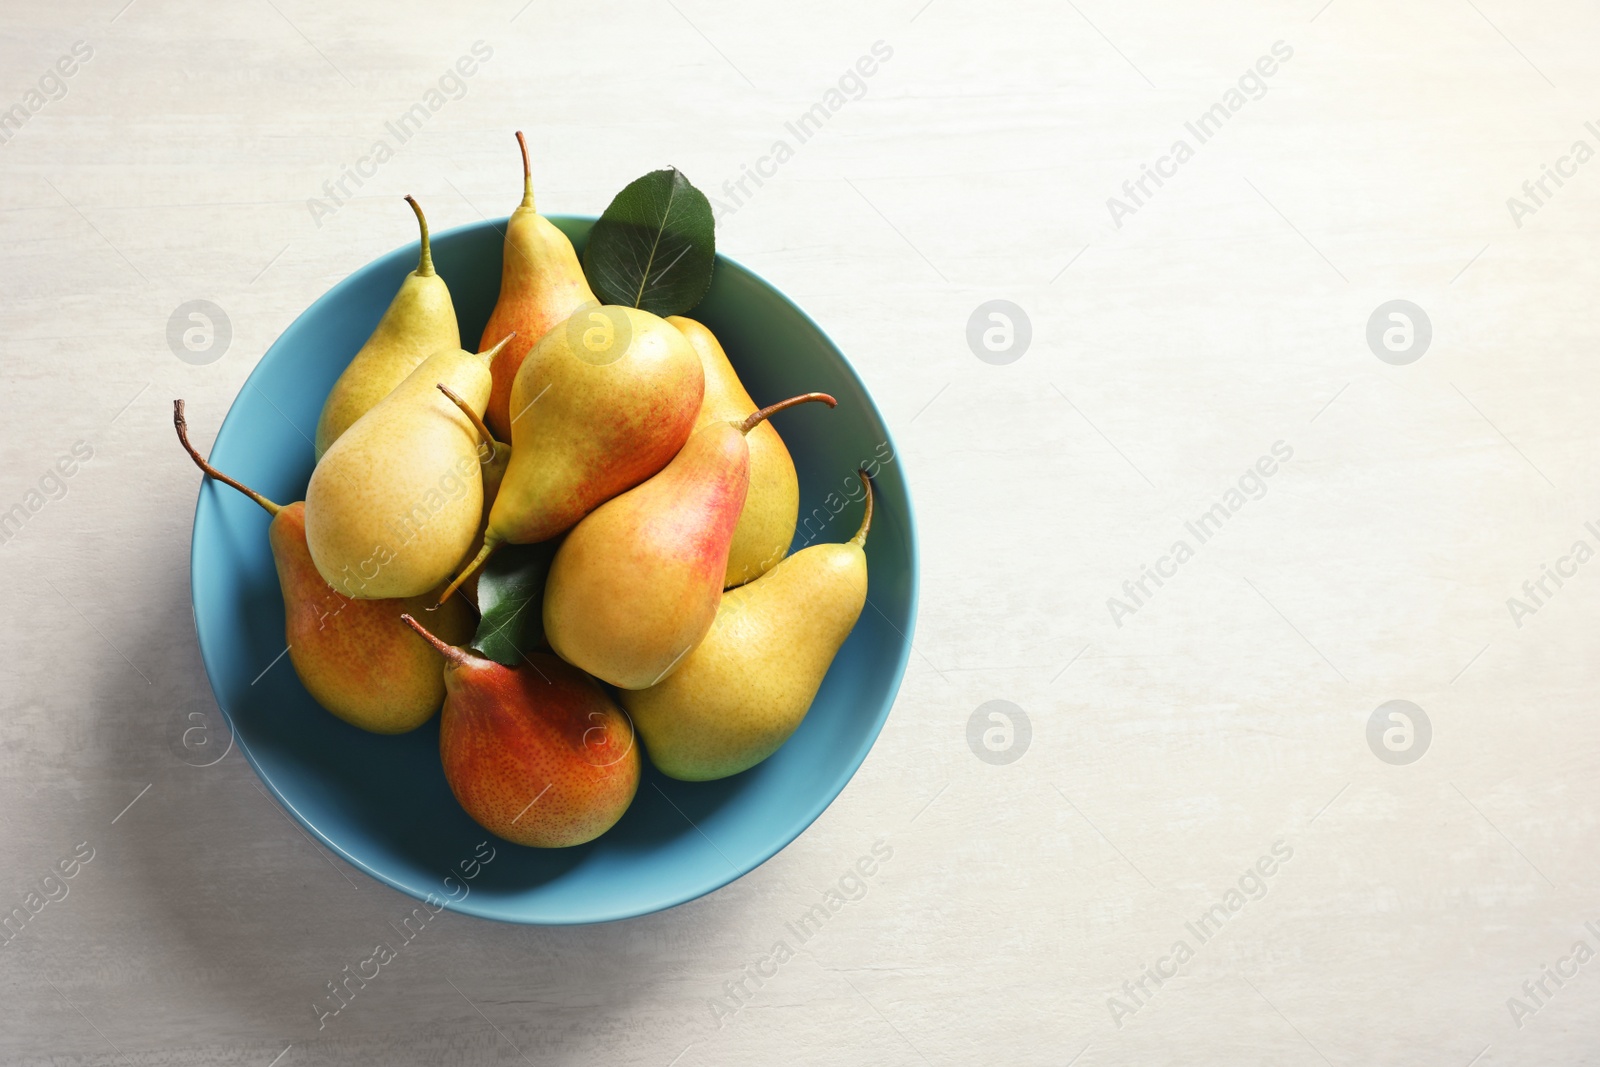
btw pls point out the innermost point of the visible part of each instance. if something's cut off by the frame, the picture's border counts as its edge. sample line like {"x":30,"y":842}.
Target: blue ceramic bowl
{"x":382,"y":802}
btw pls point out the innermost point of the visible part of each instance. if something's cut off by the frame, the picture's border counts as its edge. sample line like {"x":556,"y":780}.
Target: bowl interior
{"x":382,"y":802}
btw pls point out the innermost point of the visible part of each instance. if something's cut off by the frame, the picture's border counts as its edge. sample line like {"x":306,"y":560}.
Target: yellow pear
{"x":746,"y":687}
{"x":766,"y":526}
{"x":420,"y":321}
{"x":603,"y":402}
{"x":393,"y":507}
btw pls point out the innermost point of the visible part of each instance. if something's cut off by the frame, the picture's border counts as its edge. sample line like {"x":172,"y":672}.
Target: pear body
{"x":772,"y":505}
{"x":541,"y":285}
{"x":420,"y":321}
{"x":597,"y":407}
{"x":539,"y":754}
{"x":394,"y":505}
{"x":356,"y":657}
{"x":745,"y":688}
{"x":635,"y":585}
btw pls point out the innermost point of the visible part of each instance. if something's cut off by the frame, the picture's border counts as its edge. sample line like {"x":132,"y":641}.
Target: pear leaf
{"x":655,"y":246}
{"x":511,"y":598}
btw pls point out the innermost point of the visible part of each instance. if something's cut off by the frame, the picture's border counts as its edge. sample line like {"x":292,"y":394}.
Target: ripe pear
{"x":635,"y":585}
{"x":601,"y":403}
{"x":420,"y":321}
{"x":537,"y":754}
{"x":356,"y":658}
{"x":393,"y":507}
{"x":541,"y":284}
{"x":772,"y":505}
{"x":744,"y":689}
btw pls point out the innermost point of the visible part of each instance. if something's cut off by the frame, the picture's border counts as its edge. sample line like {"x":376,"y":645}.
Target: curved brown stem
{"x":860,"y":538}
{"x":527,"y":173}
{"x":477,"y":421}
{"x":758,"y":417}
{"x":449,"y":652}
{"x":488,"y":354}
{"x":425,"y":260}
{"x":181,"y":424}
{"x":489,"y":545}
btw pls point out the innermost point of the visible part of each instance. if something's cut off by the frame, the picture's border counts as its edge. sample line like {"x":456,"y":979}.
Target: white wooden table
{"x":1197,"y":767}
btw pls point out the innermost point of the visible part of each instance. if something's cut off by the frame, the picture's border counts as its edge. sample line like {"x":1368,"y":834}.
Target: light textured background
{"x":1167,"y":754}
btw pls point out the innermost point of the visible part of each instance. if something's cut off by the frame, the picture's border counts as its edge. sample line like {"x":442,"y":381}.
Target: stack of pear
{"x":419,"y":322}
{"x":541,"y":285}
{"x":746,"y":687}
{"x":355,"y":657}
{"x":636,"y":584}
{"x":394,"y":506}
{"x":658,"y":500}
{"x":537,"y":754}
{"x":596,"y":409}
{"x":772,"y":505}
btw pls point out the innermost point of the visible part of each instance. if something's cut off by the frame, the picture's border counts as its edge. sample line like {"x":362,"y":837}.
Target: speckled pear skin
{"x":357,"y":658}
{"x":394,"y":505}
{"x":745,"y":688}
{"x":541,"y":284}
{"x":538,"y":754}
{"x":585,"y":430}
{"x":772,"y":505}
{"x":419,"y":322}
{"x":635,"y":585}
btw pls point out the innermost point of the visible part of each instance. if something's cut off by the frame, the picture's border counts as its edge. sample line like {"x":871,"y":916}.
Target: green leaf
{"x":511,"y":598}
{"x":654,"y":247}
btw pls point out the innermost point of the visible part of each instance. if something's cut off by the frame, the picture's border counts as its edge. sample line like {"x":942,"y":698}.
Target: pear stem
{"x":477,"y":421}
{"x":490,"y":543}
{"x":758,"y":417}
{"x":860,"y":539}
{"x":527,"y":173}
{"x":182,"y":426}
{"x":489,"y":354}
{"x":449,"y":652}
{"x":424,"y":261}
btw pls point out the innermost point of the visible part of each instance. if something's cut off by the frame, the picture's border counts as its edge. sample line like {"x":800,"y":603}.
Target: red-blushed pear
{"x":541,"y":284}
{"x":636,"y":584}
{"x":355,"y":657}
{"x":744,"y":689}
{"x":537,"y":754}
{"x":420,"y":321}
{"x":766,"y":526}
{"x":600,"y":404}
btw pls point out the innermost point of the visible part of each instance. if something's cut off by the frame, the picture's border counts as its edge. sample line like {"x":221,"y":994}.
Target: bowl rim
{"x":705,"y":886}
